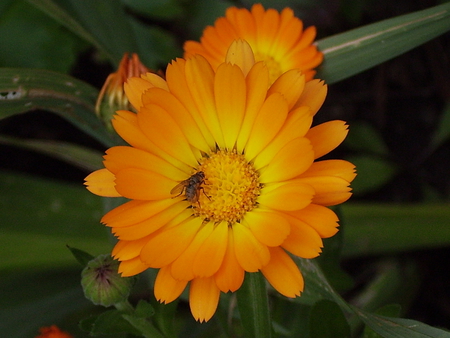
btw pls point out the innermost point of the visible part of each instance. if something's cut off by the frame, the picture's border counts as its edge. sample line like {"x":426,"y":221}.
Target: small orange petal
{"x":230,"y":101}
{"x":292,"y":195}
{"x":102,"y":182}
{"x":167,"y":288}
{"x":122,"y":157}
{"x":290,"y":84}
{"x":327,"y":136}
{"x":290,"y":161}
{"x":270,"y":228}
{"x":132,"y":267}
{"x":150,"y":225}
{"x":251,"y":254}
{"x":268,"y":122}
{"x":125,"y":250}
{"x":142,"y":184}
{"x":240,"y":53}
{"x":330,"y":190}
{"x":313,"y":95}
{"x":166,"y":246}
{"x":182,"y":267}
{"x":134,"y":212}
{"x":321,"y":218}
{"x":230,"y":275}
{"x":303,"y":240}
{"x":134,"y":87}
{"x":283,"y":274}
{"x":211,"y":254}
{"x":203,"y":298}
{"x":337,"y":168}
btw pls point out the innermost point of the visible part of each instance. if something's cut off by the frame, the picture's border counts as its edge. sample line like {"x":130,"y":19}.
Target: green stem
{"x":253,"y":306}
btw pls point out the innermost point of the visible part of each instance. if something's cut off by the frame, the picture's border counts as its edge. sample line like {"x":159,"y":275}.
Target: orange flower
{"x":276,"y":38}
{"x":52,"y":332}
{"x":222,"y":177}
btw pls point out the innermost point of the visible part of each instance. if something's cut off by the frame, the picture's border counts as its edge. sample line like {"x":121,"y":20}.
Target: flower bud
{"x":112,"y":96}
{"x":102,"y":284}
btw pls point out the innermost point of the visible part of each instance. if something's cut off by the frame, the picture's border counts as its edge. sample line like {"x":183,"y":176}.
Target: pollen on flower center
{"x":230,"y":188}
{"x":272,"y":65}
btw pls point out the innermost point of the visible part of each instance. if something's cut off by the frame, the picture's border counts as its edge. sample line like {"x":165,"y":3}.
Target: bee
{"x":190,"y":187}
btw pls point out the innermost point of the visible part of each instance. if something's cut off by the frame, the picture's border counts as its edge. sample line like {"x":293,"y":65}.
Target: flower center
{"x":272,"y":65}
{"x":230,"y":188}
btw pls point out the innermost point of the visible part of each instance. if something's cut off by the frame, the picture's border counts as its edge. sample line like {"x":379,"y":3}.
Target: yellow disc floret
{"x":230,"y":189}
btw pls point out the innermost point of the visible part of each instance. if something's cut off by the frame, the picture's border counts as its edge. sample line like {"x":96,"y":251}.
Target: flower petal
{"x":163,"y":131}
{"x":268,"y":122}
{"x":210,"y":255}
{"x":327,"y":136}
{"x":313,"y":95}
{"x":131,"y":267}
{"x":167,"y":245}
{"x":230,"y":96}
{"x":150,"y":225}
{"x":230,"y":275}
{"x":303,"y":240}
{"x":292,"y":160}
{"x":134,"y":212}
{"x":203,"y":298}
{"x":329,"y":190}
{"x":167,"y":288}
{"x":122,"y":157}
{"x":337,"y":168}
{"x":270,"y":228}
{"x":182,"y":267}
{"x":251,"y":254}
{"x":142,"y":184}
{"x":257,"y":82}
{"x":102,"y":182}
{"x":134,"y":88}
{"x":292,"y":195}
{"x":283,"y":274}
{"x":322,"y":219}
{"x":290,"y":85}
{"x":180,"y":115}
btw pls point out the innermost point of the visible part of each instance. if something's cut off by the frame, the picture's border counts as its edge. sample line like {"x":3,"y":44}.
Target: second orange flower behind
{"x":277,"y":38}
{"x":245,"y":148}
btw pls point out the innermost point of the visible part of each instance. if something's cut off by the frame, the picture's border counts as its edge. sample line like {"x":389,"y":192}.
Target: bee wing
{"x":178,"y":189}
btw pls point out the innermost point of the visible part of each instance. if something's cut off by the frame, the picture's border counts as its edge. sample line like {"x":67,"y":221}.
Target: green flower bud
{"x":102,"y":284}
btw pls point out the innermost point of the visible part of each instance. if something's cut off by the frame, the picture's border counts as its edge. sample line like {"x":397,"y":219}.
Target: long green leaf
{"x":372,"y":229}
{"x":23,"y":90}
{"x":354,"y":51}
{"x":64,"y":18}
{"x":385,"y":326}
{"x":77,"y":155}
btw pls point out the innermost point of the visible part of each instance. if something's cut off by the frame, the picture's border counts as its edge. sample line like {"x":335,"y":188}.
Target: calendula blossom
{"x":244,"y":152}
{"x":52,"y":332}
{"x":278,"y":38}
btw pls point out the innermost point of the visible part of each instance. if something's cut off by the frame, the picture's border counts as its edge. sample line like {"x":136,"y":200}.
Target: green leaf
{"x":327,"y":321}
{"x":352,"y":52}
{"x":40,"y":217}
{"x":101,"y":23}
{"x":253,"y":306}
{"x":372,"y":229}
{"x":143,"y":326}
{"x":373,"y":173}
{"x":81,"y":256}
{"x":144,"y":309}
{"x":23,"y":28}
{"x":364,"y":137}
{"x":79,"y":156}
{"x":108,"y":322}
{"x":159,"y":9}
{"x":391,"y":310}
{"x":389,"y":327}
{"x":23,"y":90}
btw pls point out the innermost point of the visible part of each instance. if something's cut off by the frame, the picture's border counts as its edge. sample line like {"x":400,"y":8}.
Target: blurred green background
{"x":396,"y":227}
